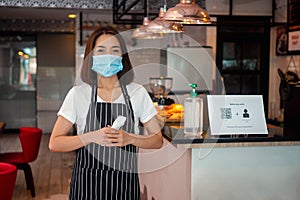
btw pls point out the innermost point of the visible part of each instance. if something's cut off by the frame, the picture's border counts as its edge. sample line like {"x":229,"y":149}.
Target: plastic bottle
{"x":193,"y":113}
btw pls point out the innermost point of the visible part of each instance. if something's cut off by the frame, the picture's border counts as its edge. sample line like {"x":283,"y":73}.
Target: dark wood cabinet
{"x":292,"y":113}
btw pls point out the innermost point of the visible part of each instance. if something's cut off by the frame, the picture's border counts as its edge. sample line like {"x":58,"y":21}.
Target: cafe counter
{"x":226,"y":167}
{"x":275,"y":137}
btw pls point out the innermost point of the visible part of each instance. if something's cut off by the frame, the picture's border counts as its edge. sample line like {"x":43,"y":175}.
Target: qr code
{"x":226,"y":113}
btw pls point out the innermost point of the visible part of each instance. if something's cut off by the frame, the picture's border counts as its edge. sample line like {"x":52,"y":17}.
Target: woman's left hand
{"x":118,"y":138}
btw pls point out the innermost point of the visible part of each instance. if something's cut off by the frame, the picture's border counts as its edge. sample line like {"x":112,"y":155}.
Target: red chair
{"x":30,"y":139}
{"x":8,"y":175}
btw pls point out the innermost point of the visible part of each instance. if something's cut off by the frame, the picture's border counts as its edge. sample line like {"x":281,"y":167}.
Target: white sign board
{"x":236,"y":114}
{"x":294,"y":41}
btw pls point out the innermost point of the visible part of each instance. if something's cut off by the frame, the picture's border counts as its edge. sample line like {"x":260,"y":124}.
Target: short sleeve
{"x":67,"y":109}
{"x":143,"y":105}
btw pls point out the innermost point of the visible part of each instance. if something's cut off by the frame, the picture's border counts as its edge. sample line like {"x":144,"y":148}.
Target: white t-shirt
{"x":76,"y":104}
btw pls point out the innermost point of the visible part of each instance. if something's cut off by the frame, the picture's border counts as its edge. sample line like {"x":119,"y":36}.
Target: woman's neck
{"x":108,"y":83}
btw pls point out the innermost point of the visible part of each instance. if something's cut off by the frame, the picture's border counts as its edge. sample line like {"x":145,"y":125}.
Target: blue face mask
{"x":107,"y":65}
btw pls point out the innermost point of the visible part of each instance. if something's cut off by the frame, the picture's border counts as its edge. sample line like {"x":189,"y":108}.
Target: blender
{"x":160,"y":87}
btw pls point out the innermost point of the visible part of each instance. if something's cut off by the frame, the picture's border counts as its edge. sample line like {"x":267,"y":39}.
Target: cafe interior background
{"x":33,"y":87}
{"x":41,"y":50}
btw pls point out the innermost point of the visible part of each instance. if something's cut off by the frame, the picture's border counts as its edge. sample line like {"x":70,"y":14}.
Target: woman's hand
{"x":107,"y":136}
{"x":98,"y":137}
{"x":116,"y":138}
{"x":111,"y":137}
{"x":153,"y":140}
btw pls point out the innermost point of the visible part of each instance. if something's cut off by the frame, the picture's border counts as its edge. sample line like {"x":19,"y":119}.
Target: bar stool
{"x":8,"y":175}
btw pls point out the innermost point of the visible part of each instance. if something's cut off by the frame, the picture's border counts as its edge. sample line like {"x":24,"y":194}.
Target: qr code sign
{"x":226,"y":113}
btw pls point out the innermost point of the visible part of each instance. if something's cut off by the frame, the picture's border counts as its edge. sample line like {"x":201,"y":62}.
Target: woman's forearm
{"x":154,"y":138}
{"x":60,"y":141}
{"x":65,"y":143}
{"x":153,"y":141}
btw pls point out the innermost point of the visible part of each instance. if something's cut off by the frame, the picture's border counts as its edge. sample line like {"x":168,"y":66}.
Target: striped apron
{"x":106,"y":172}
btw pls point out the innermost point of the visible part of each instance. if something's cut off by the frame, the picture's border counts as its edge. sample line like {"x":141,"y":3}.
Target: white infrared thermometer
{"x":119,"y":122}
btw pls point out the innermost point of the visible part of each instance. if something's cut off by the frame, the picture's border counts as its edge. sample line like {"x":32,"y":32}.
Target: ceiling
{"x":43,"y":13}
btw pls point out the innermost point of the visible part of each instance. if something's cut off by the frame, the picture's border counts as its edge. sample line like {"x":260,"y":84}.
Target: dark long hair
{"x":89,"y":76}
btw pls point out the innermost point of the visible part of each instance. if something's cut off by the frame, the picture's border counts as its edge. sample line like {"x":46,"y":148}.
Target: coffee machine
{"x":161,"y":87}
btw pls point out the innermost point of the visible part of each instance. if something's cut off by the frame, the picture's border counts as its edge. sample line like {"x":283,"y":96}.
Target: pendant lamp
{"x":159,"y":25}
{"x":143,"y":33}
{"x":187,"y":12}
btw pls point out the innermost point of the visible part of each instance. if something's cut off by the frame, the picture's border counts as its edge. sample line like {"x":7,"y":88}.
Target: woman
{"x":105,"y":165}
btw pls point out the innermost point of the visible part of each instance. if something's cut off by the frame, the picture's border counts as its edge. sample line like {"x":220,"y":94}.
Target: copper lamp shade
{"x":144,"y":33}
{"x":187,"y":12}
{"x":159,"y":25}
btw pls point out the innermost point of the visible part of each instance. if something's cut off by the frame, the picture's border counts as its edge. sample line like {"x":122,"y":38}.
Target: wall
{"x":276,"y":62}
{"x":55,"y":49}
{"x":55,"y":76}
{"x":58,"y":3}
{"x":81,"y":4}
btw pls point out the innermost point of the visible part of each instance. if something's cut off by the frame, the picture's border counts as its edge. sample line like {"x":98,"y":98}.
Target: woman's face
{"x":107,"y":44}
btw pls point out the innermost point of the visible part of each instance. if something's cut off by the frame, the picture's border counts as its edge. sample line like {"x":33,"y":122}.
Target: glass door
{"x":241,"y":67}
{"x":243,"y":55}
{"x":18,"y":68}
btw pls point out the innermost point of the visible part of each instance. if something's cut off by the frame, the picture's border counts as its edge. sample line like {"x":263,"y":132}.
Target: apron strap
{"x":126,"y":97}
{"x":127,"y":100}
{"x":94,"y":94}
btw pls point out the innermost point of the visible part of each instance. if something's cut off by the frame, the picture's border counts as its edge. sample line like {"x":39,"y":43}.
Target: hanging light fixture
{"x":143,"y":33}
{"x":187,"y":12}
{"x":158,"y":25}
